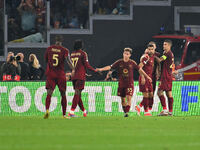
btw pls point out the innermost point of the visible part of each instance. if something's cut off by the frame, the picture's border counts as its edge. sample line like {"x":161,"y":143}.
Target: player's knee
{"x":159,"y":93}
{"x":49,"y":92}
{"x":78,"y":92}
{"x":169,"y":94}
{"x":62,"y":93}
{"x":151,"y":94}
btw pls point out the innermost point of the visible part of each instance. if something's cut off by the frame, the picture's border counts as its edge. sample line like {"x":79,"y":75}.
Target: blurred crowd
{"x":1,"y":28}
{"x":69,"y":14}
{"x":15,"y":69}
{"x":114,"y":7}
{"x":25,"y":18}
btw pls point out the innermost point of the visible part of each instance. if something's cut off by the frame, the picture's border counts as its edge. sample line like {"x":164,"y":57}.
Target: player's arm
{"x":106,"y":68}
{"x":141,"y":65}
{"x":158,"y":71}
{"x":113,"y":66}
{"x":86,"y":63}
{"x":108,"y":76}
{"x":69,"y":62}
{"x":141,"y":72}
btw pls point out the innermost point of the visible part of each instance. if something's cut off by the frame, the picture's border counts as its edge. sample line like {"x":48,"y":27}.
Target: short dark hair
{"x":128,"y":49}
{"x":59,"y":38}
{"x":78,"y":44}
{"x":168,"y":41}
{"x":152,"y":42}
{"x":150,"y":45}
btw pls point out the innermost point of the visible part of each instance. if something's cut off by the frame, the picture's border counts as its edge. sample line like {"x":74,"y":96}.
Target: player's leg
{"x":62,"y":88}
{"x":150,"y":101}
{"x":129,"y":94}
{"x":80,"y":104}
{"x":63,"y":103}
{"x":128,"y":106}
{"x":123,"y":102}
{"x":151,"y":96}
{"x":163,"y":103}
{"x":170,"y":102}
{"x":50,"y":86}
{"x":122,"y":93}
{"x":146,"y":104}
{"x":75,"y":101}
{"x":47,"y":102}
{"x":80,"y":84}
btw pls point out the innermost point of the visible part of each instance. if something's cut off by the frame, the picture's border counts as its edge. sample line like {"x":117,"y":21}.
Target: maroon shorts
{"x":147,"y":87}
{"x":165,"y":85}
{"x":60,"y":81}
{"x":78,"y":84}
{"x":123,"y":92}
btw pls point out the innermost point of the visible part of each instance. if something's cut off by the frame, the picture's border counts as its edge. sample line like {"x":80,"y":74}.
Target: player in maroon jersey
{"x":147,"y":64}
{"x":55,"y":56}
{"x":155,"y":76}
{"x":125,"y":69}
{"x":80,"y":62}
{"x":166,"y":78}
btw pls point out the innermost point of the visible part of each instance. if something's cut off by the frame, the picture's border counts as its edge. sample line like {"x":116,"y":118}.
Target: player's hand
{"x":98,"y":69}
{"x":149,"y":79}
{"x":68,"y":76}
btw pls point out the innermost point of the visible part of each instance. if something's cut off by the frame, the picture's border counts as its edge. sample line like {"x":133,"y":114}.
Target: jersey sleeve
{"x":115,"y":65}
{"x":165,"y":56}
{"x":135,"y":66}
{"x":86,"y":63}
{"x":144,"y":59}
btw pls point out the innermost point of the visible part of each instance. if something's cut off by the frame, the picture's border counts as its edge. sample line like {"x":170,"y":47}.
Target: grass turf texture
{"x":98,"y":133}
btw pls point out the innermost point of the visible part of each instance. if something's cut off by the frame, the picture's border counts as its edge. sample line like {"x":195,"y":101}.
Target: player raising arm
{"x":166,"y":78}
{"x":55,"y":56}
{"x":80,"y":62}
{"x":125,"y":69}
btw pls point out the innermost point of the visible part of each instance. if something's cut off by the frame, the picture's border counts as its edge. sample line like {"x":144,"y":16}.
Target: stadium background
{"x":22,"y":125}
{"x":109,"y":36}
{"x":104,"y":44}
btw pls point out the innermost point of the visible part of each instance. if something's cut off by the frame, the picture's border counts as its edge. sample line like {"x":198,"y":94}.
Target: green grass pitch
{"x":100,"y":133}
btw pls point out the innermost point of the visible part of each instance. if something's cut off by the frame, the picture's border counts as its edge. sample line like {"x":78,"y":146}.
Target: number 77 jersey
{"x":80,"y":62}
{"x":55,"y":56}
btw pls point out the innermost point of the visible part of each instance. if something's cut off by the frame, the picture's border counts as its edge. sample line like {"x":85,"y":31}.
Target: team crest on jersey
{"x":125,"y":71}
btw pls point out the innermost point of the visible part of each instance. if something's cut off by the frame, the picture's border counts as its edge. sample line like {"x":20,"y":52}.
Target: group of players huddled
{"x":151,"y":68}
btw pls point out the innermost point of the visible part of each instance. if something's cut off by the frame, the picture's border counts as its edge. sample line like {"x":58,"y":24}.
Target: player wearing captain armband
{"x":124,"y":68}
{"x":165,"y":83}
